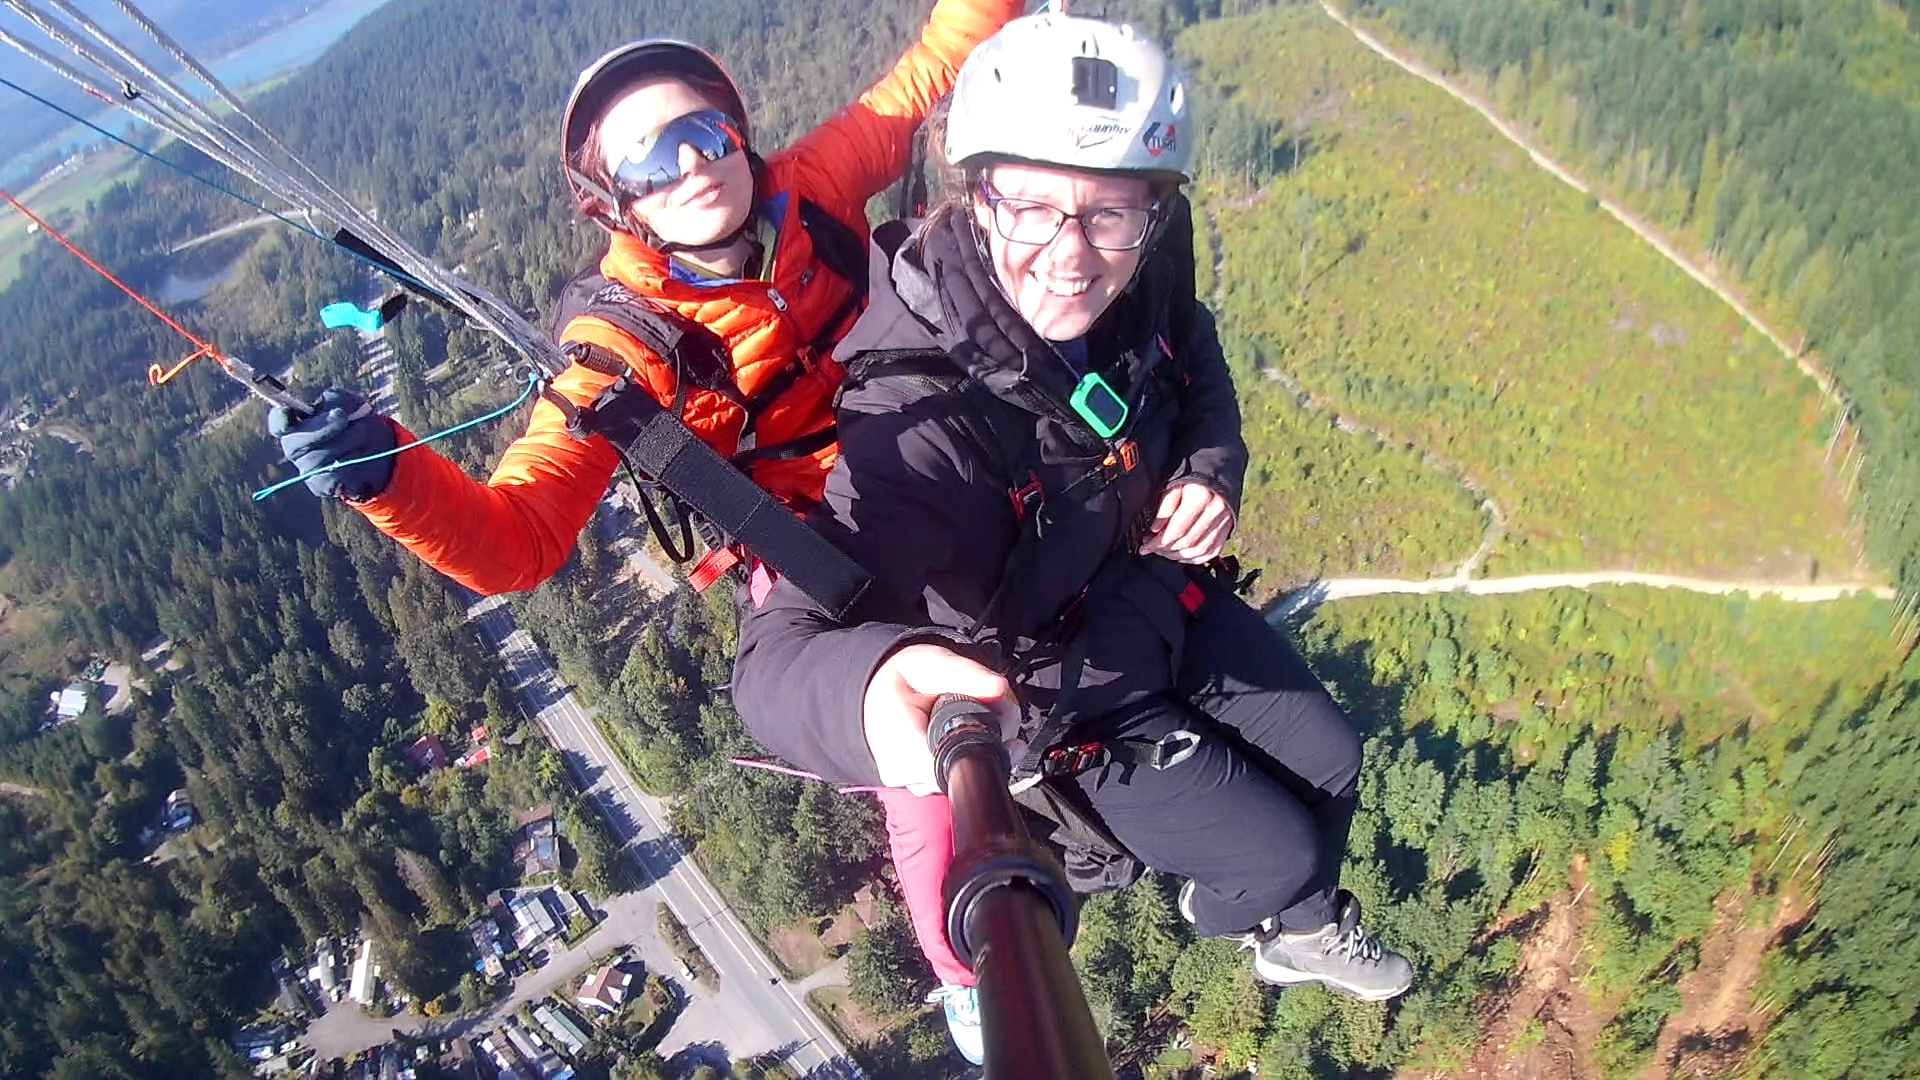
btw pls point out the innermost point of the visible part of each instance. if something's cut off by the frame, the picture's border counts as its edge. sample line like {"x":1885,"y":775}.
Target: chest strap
{"x":654,"y":441}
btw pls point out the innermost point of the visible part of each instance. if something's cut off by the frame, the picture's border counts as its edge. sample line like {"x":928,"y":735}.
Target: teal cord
{"x":533,"y":383}
{"x":228,"y":192}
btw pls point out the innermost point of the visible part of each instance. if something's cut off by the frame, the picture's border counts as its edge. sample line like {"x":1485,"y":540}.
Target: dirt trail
{"x":20,"y":789}
{"x":226,"y":230}
{"x":1626,"y":217}
{"x":1717,"y":1021}
{"x":1345,"y":588}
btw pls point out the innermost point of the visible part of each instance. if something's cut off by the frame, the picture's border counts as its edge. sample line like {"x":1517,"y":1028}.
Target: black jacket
{"x":922,"y":500}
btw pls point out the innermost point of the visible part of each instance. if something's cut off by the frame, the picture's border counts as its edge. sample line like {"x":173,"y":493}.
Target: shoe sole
{"x":1290,"y":977}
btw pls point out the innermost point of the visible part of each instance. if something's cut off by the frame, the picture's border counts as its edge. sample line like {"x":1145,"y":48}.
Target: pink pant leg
{"x":920,"y":832}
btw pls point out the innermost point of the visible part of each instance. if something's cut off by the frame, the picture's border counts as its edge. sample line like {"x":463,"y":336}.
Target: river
{"x":285,"y":50}
{"x":294,"y":45}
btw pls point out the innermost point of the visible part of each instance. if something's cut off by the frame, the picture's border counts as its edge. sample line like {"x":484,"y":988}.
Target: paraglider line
{"x":201,"y":348}
{"x":215,"y":185}
{"x":533,"y":384}
{"x":754,"y":763}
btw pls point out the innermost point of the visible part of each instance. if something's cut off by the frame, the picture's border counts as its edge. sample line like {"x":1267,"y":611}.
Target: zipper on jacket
{"x":779,"y":302}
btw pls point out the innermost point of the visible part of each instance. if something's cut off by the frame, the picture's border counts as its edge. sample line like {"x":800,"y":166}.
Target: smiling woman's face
{"x":710,"y":200}
{"x":1063,"y":286}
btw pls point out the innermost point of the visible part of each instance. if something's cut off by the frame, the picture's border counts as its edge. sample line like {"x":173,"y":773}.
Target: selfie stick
{"x":1010,"y":912}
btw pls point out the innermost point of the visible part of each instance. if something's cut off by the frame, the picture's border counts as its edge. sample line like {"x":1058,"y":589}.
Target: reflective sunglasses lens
{"x":657,"y":164}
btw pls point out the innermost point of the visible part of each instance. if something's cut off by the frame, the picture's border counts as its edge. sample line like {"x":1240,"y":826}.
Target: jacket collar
{"x":938,"y":293}
{"x":640,"y":263}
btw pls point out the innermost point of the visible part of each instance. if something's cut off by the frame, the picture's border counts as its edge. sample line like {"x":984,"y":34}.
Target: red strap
{"x":711,"y":568}
{"x":1027,"y":497}
{"x":1193,"y":597}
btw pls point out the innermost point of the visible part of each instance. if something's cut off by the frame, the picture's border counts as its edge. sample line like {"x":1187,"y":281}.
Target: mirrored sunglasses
{"x":653,"y":161}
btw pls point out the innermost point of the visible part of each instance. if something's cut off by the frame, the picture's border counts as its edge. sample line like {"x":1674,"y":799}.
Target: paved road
{"x":754,"y":1012}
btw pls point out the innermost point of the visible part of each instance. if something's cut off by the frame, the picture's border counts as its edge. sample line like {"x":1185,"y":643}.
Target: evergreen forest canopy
{"x":1559,"y":755}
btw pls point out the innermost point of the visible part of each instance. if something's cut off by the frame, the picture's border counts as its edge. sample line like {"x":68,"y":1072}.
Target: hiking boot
{"x":963,"y":1020}
{"x":1340,"y":956}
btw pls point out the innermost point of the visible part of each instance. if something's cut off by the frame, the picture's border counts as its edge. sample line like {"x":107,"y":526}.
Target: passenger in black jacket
{"x":1028,"y":353}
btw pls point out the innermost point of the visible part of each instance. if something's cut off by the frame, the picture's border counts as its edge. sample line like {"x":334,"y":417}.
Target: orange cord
{"x":156,"y":374}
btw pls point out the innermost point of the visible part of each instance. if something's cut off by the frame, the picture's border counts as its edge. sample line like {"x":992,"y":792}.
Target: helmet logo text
{"x":1158,"y":140}
{"x":1088,"y":136}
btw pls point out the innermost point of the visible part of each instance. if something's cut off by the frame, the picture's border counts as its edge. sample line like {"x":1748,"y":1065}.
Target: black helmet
{"x":607,"y":77}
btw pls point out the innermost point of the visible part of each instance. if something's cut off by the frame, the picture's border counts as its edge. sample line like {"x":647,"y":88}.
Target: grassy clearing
{"x":1547,"y":668}
{"x":1419,"y":275}
{"x":1323,"y":502}
{"x":54,"y":200}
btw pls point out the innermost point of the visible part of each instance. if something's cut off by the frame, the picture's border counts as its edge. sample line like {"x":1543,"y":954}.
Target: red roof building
{"x":429,"y":752}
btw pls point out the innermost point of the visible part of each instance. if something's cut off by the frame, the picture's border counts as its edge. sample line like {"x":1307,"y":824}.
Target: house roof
{"x":538,"y":848}
{"x":429,"y":752}
{"x":562,"y":1027}
{"x":607,"y":988}
{"x":70,"y":702}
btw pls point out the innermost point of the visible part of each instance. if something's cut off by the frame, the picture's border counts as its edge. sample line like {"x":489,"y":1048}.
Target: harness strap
{"x":804,"y":446}
{"x":712,"y":566}
{"x":669,"y":452}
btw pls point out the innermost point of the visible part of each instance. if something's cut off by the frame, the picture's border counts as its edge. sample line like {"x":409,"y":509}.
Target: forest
{"x":1598,"y":789}
{"x":1777,"y":138}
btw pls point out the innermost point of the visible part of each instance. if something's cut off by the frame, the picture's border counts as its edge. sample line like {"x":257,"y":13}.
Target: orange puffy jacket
{"x":517,"y":529}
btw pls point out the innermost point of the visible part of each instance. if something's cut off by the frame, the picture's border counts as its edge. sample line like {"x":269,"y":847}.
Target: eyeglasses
{"x":1109,"y":228}
{"x":653,"y":161}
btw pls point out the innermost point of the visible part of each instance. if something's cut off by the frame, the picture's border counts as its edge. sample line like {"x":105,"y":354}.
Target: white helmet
{"x":1072,"y":91}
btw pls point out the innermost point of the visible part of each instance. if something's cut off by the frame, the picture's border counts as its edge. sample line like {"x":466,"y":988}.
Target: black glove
{"x":342,"y":427}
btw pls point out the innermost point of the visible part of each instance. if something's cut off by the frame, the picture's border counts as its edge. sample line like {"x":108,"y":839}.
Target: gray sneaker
{"x":1341,"y":956}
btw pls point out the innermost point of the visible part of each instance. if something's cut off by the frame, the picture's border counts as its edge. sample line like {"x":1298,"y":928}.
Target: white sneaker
{"x":963,"y":1020}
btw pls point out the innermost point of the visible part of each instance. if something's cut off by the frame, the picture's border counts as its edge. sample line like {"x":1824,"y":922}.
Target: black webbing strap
{"x":804,"y":446}
{"x":657,"y":443}
{"x":346,"y":239}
